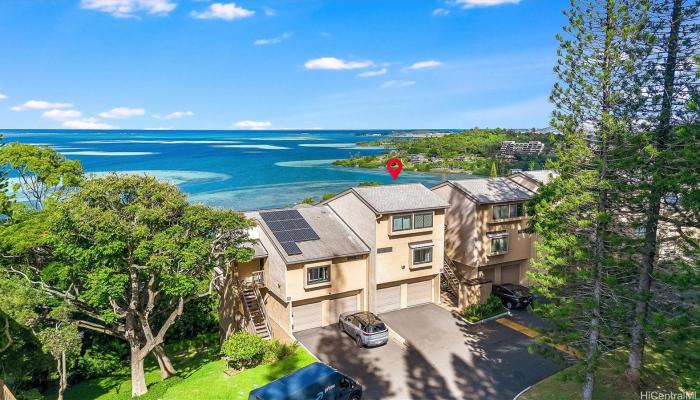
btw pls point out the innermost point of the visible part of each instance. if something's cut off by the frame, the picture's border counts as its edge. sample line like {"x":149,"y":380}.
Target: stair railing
{"x":261,"y":305}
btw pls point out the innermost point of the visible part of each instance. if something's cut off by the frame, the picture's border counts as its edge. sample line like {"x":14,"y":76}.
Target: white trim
{"x":419,"y":245}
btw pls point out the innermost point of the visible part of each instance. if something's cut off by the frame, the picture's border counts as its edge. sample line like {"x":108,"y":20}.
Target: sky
{"x":277,"y":64}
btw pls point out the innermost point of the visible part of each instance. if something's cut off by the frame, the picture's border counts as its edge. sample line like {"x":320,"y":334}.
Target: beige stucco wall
{"x":275,"y":268}
{"x":519,"y":244}
{"x":345,"y":276}
{"x":245,"y":270}
{"x":460,"y":226}
{"x":278,"y":312}
{"x":397,"y":264}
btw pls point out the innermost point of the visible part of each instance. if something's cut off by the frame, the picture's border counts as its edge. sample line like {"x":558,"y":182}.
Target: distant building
{"x":416,"y":158}
{"x":511,"y":148}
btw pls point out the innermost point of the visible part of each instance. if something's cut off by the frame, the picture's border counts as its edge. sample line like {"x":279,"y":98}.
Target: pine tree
{"x":494,"y":171}
{"x":667,"y":162}
{"x":572,"y":216}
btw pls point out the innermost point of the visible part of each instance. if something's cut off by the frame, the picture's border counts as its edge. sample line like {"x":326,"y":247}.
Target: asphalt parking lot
{"x":445,"y":358}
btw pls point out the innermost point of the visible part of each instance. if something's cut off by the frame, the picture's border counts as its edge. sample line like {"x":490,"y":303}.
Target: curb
{"x":481,"y":321}
{"x":396,"y":337}
{"x":522,"y":392}
{"x":305,"y":348}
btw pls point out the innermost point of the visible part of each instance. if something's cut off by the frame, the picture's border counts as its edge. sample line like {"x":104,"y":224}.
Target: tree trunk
{"x":138,"y":375}
{"x":166,"y":366}
{"x":641,"y":307}
{"x":63,"y":381}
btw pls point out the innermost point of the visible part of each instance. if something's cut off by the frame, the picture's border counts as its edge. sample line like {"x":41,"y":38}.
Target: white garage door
{"x":419,"y":293}
{"x":341,"y":305}
{"x":388,"y":299}
{"x":307,"y":316}
{"x":510,"y":274}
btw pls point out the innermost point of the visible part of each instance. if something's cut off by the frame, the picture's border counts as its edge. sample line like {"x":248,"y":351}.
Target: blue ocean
{"x":244,"y":170}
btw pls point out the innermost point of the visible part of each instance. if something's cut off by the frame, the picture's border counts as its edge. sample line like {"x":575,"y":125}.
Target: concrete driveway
{"x":445,"y":358}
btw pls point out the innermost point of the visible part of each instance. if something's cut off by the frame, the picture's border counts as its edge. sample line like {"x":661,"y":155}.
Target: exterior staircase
{"x":449,"y":279}
{"x":255,"y":311}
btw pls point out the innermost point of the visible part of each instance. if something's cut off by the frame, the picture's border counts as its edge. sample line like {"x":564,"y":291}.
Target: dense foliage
{"x":244,"y":350}
{"x":473,"y":150}
{"x":476,"y":312}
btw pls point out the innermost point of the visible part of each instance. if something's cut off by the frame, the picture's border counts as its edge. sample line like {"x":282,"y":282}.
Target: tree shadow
{"x":424,"y":381}
{"x":340,"y":351}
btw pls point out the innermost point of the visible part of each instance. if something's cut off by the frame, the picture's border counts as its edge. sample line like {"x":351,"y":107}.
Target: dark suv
{"x":513,"y":296}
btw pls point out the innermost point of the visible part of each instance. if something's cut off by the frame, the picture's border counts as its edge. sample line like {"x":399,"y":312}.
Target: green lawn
{"x":610,"y":380}
{"x":200,"y":376}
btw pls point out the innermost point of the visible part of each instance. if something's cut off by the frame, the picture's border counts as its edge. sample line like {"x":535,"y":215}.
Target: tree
{"x":494,"y":171}
{"x":63,"y":341}
{"x":672,"y":83}
{"x":576,"y":264}
{"x":42,"y":172}
{"x":123,"y":249}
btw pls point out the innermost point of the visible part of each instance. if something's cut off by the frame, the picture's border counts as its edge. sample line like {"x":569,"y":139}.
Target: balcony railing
{"x":259,"y":277}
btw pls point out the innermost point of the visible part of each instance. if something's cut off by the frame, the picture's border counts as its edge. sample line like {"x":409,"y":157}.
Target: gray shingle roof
{"x":542,"y":176}
{"x":493,"y":190}
{"x":396,"y":198}
{"x":335,"y":237}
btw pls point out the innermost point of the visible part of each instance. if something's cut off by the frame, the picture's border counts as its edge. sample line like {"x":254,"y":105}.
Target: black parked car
{"x":513,"y":296}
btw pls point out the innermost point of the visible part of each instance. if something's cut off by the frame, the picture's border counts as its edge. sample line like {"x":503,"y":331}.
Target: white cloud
{"x":87,"y":123}
{"x":440,"y":12}
{"x":248,"y":124}
{"x":333,"y":63}
{"x":270,"y":12}
{"x":123,"y":112}
{"x":40,"y":105}
{"x":425,"y":64}
{"x":60,"y":115}
{"x":127,"y":8}
{"x":484,"y":3}
{"x":175,"y":115}
{"x":397,"y":84}
{"x":2,"y":96}
{"x":226,"y":11}
{"x":274,"y":40}
{"x":368,"y":74}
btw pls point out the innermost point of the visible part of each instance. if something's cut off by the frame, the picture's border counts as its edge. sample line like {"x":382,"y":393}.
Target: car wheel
{"x":358,"y":340}
{"x":355,"y":397}
{"x":510,"y":305}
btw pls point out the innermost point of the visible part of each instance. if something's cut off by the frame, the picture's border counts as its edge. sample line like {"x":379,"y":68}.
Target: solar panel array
{"x":289,"y":227}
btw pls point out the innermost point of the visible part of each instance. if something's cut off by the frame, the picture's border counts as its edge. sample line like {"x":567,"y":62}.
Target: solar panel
{"x":289,"y":227}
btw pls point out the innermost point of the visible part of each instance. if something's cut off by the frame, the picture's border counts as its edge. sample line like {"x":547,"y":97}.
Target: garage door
{"x":419,"y":293}
{"x":388,"y":299}
{"x":341,"y":305}
{"x":307,"y":316}
{"x":510,"y":274}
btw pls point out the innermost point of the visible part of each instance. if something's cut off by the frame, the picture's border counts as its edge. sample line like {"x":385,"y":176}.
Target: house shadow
{"x":424,"y":381}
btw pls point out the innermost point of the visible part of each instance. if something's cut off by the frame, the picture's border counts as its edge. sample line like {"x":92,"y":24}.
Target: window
{"x":317,"y":275}
{"x":505,"y":211}
{"x":500,"y":212}
{"x":517,"y":210}
{"x":423,"y":255}
{"x":402,"y":222}
{"x":423,"y":220}
{"x":499,"y":245}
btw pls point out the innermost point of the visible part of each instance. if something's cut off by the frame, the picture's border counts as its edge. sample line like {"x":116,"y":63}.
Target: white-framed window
{"x":422,"y":255}
{"x":402,"y":222}
{"x":423,"y":220}
{"x":316,"y":275}
{"x":499,"y":245}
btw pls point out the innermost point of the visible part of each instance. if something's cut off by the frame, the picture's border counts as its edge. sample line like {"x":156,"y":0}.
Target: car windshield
{"x":375,"y":328}
{"x":518,"y":290}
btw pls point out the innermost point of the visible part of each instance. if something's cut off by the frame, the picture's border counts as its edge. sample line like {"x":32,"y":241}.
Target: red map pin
{"x":394,"y":166}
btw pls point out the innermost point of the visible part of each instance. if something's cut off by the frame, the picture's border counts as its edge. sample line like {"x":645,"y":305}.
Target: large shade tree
{"x":125,"y":251}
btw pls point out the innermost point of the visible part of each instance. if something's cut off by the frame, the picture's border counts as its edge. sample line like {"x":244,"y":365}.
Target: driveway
{"x":445,"y":358}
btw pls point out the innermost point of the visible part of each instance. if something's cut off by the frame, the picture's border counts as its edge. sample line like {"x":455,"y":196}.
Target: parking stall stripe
{"x":535,"y":335}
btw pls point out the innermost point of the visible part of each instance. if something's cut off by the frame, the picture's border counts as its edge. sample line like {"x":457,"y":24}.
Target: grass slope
{"x":610,"y":380}
{"x":200,"y":376}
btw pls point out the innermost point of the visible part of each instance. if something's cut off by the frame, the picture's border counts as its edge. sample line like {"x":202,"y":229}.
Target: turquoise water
{"x":244,"y":170}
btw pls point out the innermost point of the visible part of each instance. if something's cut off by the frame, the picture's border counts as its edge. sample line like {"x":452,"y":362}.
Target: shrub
{"x":244,"y":350}
{"x":276,"y":350}
{"x":477,"y":312}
